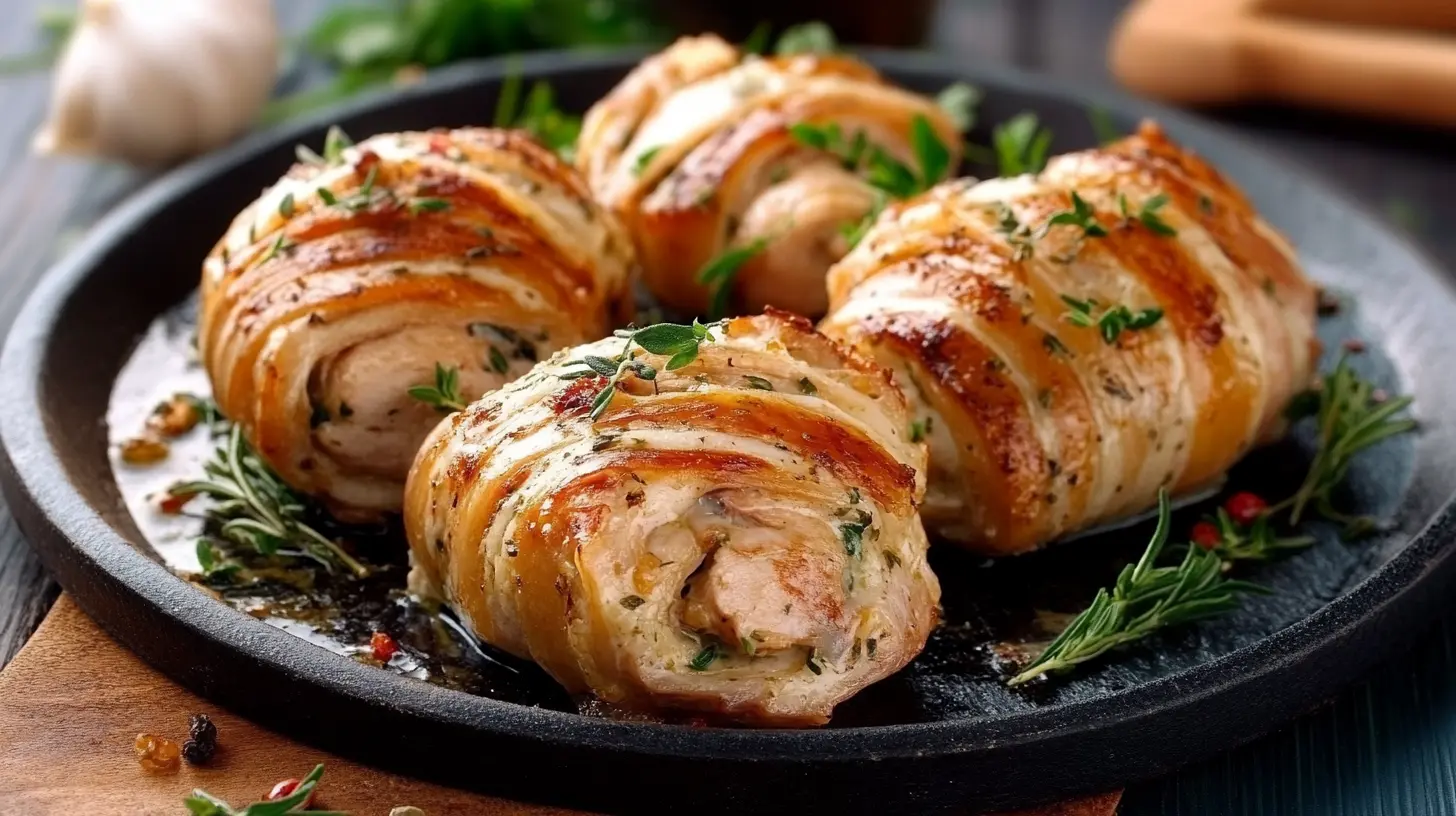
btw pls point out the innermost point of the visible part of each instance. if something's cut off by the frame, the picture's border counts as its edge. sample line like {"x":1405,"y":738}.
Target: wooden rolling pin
{"x":1320,"y":54}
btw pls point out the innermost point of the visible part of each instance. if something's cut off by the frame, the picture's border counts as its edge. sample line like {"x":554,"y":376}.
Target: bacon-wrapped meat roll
{"x":735,"y":535}
{"x":1072,"y":341}
{"x":694,"y":151}
{"x":360,"y":271}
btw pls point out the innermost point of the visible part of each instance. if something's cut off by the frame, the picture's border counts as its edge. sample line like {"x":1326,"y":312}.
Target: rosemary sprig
{"x":719,"y":273}
{"x":680,"y":343}
{"x":1349,"y":419}
{"x":202,"y":803}
{"x":255,"y":508}
{"x":444,"y":395}
{"x":1144,"y":599}
{"x":1113,"y":321}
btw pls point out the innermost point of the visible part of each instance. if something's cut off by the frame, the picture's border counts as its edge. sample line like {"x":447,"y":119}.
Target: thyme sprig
{"x":202,"y":803}
{"x":1112,"y":321}
{"x":444,"y":395}
{"x":1349,"y":419}
{"x":1147,"y":214}
{"x":1144,"y":599}
{"x":255,"y":508}
{"x":1257,"y":541}
{"x":679,"y":343}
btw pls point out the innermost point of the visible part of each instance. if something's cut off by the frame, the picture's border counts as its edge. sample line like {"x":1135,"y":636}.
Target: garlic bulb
{"x":153,"y":81}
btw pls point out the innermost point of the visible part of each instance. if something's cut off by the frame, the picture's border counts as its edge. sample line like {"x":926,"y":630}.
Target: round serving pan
{"x":78,"y":327}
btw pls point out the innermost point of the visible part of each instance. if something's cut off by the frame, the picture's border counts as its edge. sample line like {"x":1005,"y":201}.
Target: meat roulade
{"x":362,"y":270}
{"x":735,"y":533}
{"x":695,"y":151}
{"x":1072,"y":341}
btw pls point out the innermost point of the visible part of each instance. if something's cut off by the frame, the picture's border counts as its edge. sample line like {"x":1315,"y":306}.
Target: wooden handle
{"x":1222,"y":51}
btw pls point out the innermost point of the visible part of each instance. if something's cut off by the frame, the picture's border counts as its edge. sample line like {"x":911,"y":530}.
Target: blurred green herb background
{"x":371,"y":43}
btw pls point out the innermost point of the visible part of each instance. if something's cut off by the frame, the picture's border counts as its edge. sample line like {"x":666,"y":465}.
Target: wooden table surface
{"x":1386,"y":746}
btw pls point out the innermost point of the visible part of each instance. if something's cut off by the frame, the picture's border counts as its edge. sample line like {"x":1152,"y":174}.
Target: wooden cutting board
{"x":74,"y":700}
{"x":1387,"y":58}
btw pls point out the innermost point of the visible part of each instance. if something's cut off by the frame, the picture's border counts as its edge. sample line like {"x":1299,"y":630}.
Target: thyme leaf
{"x":444,"y":395}
{"x":253,"y":507}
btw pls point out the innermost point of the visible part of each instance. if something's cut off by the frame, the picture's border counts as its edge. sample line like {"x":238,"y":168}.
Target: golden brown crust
{"x":346,"y":283}
{"x":693,"y":151}
{"x":1041,"y":426}
{"x":760,"y":501}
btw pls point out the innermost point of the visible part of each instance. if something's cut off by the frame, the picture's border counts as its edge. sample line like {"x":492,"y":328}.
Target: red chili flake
{"x":285,"y":788}
{"x":578,"y":397}
{"x":172,"y":504}
{"x":1354,"y":345}
{"x":1245,"y":507}
{"x":383,"y":646}
{"x":440,"y":144}
{"x":1206,"y":535}
{"x":367,"y":160}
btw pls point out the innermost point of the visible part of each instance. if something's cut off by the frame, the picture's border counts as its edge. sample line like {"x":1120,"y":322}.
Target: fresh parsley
{"x":1113,"y":320}
{"x":539,"y":116}
{"x":855,"y":231}
{"x":874,"y":163}
{"x":444,"y":395}
{"x":644,"y":159}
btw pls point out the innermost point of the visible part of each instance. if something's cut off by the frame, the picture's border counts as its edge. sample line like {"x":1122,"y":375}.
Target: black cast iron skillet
{"x":938,"y":736}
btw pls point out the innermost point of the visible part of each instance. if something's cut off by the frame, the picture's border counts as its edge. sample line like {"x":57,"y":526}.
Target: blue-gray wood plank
{"x":1383,"y":748}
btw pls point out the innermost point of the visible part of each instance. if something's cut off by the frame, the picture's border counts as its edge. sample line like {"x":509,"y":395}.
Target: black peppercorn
{"x":197,"y":752}
{"x":203,"y":744}
{"x":201,"y":728}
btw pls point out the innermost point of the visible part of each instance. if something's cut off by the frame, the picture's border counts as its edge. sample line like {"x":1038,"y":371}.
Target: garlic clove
{"x":153,"y":81}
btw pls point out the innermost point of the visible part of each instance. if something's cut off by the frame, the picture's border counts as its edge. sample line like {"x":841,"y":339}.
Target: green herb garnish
{"x":255,"y":508}
{"x":212,"y":561}
{"x":1080,"y":216}
{"x":719,"y":273}
{"x":920,"y":429}
{"x":445,"y":393}
{"x":1113,"y":321}
{"x":852,"y":532}
{"x":1144,"y":599}
{"x":959,"y":100}
{"x":813,"y":37}
{"x":1256,"y":542}
{"x":1147,"y":215}
{"x":680,"y":343}
{"x":1021,"y":145}
{"x":855,"y":231}
{"x":758,"y":383}
{"x":645,"y":158}
{"x":202,"y":803}
{"x":1349,"y":420}
{"x":705,"y":657}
